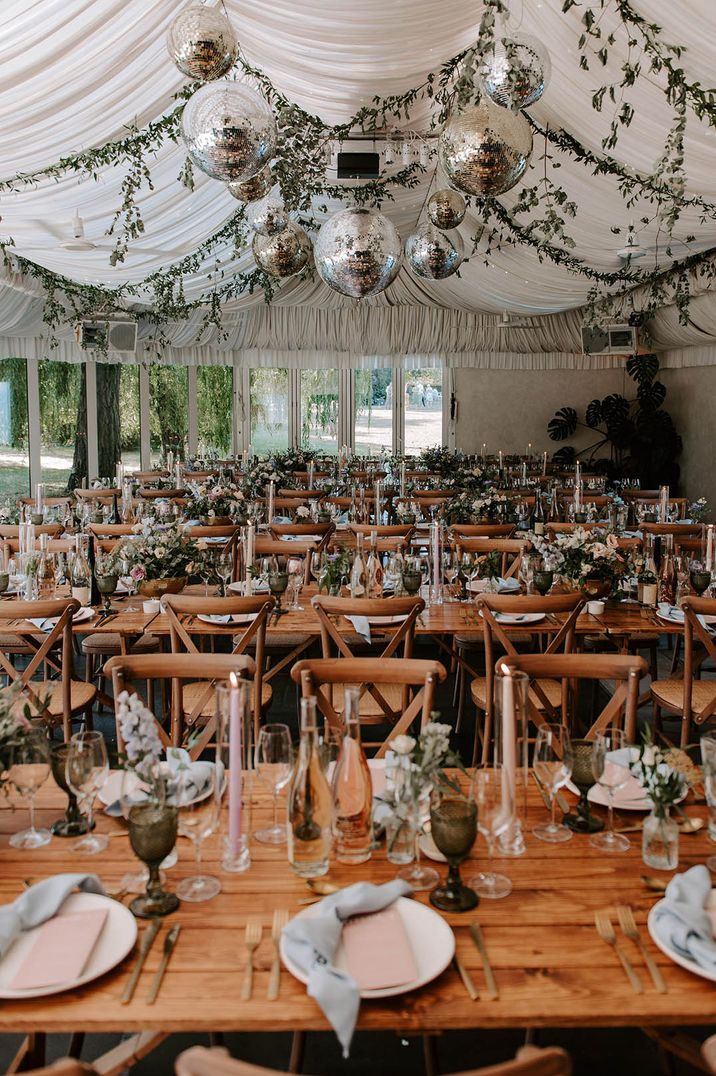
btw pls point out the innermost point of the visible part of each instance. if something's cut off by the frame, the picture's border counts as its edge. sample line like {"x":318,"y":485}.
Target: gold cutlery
{"x":687,"y":826}
{"x":319,"y":885}
{"x":144,"y":946}
{"x":254,"y":930}
{"x":280,"y":919}
{"x":169,"y":943}
{"x":658,"y":885}
{"x":629,"y":927}
{"x":476,"y":935}
{"x":606,"y":932}
{"x":466,"y":980}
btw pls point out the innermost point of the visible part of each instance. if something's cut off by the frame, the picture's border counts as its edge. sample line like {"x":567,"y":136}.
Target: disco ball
{"x":358,"y":252}
{"x":229,"y":131}
{"x":446,"y":209}
{"x":283,"y":254}
{"x":485,"y":149}
{"x":202,"y":43}
{"x":253,"y":189}
{"x":269,"y":215}
{"x":516,"y":71}
{"x":434,"y":254}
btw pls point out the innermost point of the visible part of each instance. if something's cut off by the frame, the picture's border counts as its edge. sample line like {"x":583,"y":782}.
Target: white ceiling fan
{"x":513,"y":321}
{"x":73,"y":238}
{"x":673,"y":248}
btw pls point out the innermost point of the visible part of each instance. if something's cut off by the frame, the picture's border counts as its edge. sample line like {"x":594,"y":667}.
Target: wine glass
{"x":416,"y":875}
{"x":611,"y":776}
{"x":450,"y":570}
{"x":700,"y":578}
{"x":278,"y":582}
{"x":87,"y":770}
{"x":552,"y":766}
{"x":294,"y":568}
{"x":453,"y":826}
{"x":207,"y":571}
{"x":494,"y":815}
{"x":316,"y":566}
{"x":29,"y":769}
{"x":224,"y":569}
{"x":152,"y":836}
{"x":134,"y":792}
{"x":198,"y":818}
{"x":274,"y":755}
{"x":73,"y":823}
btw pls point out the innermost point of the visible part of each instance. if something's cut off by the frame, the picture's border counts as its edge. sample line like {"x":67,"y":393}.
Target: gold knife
{"x":476,"y":935}
{"x":169,"y":943}
{"x":144,"y":946}
{"x":466,"y":980}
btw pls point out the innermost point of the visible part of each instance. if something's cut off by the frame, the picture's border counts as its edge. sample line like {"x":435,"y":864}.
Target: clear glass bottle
{"x":667,"y":572}
{"x":375,"y":569}
{"x":358,"y":571}
{"x":81,"y":573}
{"x":309,"y":803}
{"x":538,"y":516}
{"x":352,"y":790}
{"x":45,"y":571}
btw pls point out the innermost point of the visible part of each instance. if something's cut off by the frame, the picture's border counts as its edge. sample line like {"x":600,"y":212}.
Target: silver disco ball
{"x":446,"y":209}
{"x":358,"y":252}
{"x":284,"y":254}
{"x":485,"y":149}
{"x":202,"y":43}
{"x":253,"y":189}
{"x":268,"y":216}
{"x":434,"y":254}
{"x":515,"y":73}
{"x":229,"y":131}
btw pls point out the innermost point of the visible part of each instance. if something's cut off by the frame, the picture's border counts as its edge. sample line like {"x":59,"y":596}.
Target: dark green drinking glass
{"x":583,"y":821}
{"x":152,"y":835}
{"x":74,"y":824}
{"x":453,"y":823}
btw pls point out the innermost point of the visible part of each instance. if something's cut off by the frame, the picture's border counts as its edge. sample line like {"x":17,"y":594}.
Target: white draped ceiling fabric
{"x":76,"y":72}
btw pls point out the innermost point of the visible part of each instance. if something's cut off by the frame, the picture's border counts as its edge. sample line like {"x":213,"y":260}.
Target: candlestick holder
{"x":237,"y":856}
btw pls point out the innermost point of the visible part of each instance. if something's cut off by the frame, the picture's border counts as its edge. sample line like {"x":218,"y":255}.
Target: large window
{"x":63,"y":424}
{"x":319,"y":410}
{"x":373,"y":411}
{"x":14,"y":446}
{"x":423,"y":409}
{"x":129,"y":415}
{"x":269,"y":411}
{"x":169,"y":414}
{"x":214,"y":390}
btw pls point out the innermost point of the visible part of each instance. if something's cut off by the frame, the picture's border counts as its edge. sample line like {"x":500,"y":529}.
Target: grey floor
{"x":620,"y":1052}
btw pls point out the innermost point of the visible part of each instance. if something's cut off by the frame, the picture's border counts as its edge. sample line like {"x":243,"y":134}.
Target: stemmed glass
{"x":207,"y":571}
{"x":198,"y":818}
{"x":453,"y":825}
{"x":611,"y":776}
{"x":552,"y":766}
{"x":708,"y":759}
{"x":494,"y":815}
{"x":700,"y":578}
{"x":152,"y":835}
{"x":87,"y":770}
{"x":30,"y":768}
{"x":316,"y":566}
{"x":294,"y":567}
{"x":274,"y":756}
{"x":135,"y":793}
{"x":278,"y":581}
{"x":416,"y":875}
{"x":224,"y":570}
{"x":450,"y":569}
{"x":73,"y":823}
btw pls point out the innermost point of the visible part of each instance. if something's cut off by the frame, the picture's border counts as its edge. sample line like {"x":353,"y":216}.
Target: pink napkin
{"x":377,"y":950}
{"x":631,"y":790}
{"x":61,"y":949}
{"x":377,"y":777}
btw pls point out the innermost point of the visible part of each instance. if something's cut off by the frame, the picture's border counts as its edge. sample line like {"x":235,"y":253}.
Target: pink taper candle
{"x":235,"y":772}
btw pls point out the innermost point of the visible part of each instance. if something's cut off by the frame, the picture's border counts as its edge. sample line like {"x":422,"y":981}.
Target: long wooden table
{"x":552,"y":970}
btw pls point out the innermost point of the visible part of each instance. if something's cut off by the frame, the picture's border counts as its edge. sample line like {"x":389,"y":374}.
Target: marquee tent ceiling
{"x":76,"y":72}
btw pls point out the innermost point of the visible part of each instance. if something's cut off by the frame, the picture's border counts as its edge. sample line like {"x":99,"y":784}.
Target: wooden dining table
{"x":551,"y":967}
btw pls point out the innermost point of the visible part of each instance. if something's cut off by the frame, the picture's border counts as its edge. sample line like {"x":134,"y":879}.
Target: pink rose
{"x":137,"y":572}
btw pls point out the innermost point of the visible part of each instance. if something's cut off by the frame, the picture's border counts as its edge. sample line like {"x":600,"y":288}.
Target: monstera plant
{"x":634,"y":438}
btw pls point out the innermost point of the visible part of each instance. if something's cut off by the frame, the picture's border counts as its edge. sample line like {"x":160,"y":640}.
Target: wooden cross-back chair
{"x":48,"y":502}
{"x":377,"y":707}
{"x":367,"y":674}
{"x":11,"y":546}
{"x":127,"y":670}
{"x":111,"y":530}
{"x":690,"y":697}
{"x":12,"y":530}
{"x":654,"y":500}
{"x":480,"y":530}
{"x":305,"y":494}
{"x":229,"y":543}
{"x":405,"y":531}
{"x":282,"y":548}
{"x":282,"y":530}
{"x":145,"y":493}
{"x":625,"y":670}
{"x":97,"y":493}
{"x":57,"y":700}
{"x":679,"y":530}
{"x":391,"y":544}
{"x":546,"y":700}
{"x":196,"y":698}
{"x":511,"y":550}
{"x":302,"y":476}
{"x":147,"y":477}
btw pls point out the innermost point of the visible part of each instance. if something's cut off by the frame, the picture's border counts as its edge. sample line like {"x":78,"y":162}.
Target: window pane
{"x":63,"y":424}
{"x":423,"y":409}
{"x":169,"y":415}
{"x":214,"y":393}
{"x":14,"y":455}
{"x":269,"y":411}
{"x":373,"y":411}
{"x":319,"y":410}
{"x":129,"y":417}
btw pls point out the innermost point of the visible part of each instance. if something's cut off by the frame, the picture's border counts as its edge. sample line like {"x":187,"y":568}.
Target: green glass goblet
{"x":153,"y":834}
{"x":106,"y":585}
{"x":583,"y":821}
{"x":412,"y":582}
{"x":453,"y":825}
{"x":700,"y":580}
{"x":74,"y":824}
{"x":4,"y":582}
{"x":278,"y":581}
{"x":542,"y":580}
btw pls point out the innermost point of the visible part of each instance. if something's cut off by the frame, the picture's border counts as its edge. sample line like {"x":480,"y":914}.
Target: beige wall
{"x":509,"y":408}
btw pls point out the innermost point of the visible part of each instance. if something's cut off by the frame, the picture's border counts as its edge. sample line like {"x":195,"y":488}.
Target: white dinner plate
{"x":673,"y":615}
{"x":504,"y":586}
{"x":673,"y":954}
{"x":116,"y":939}
{"x":111,"y":790}
{"x":518,"y":618}
{"x":376,"y":621}
{"x":85,"y":612}
{"x":429,"y":848}
{"x":623,"y":800}
{"x":257,"y":588}
{"x":219,"y":618}
{"x":429,"y":936}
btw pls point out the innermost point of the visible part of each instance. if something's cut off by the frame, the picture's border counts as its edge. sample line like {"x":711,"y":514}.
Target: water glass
{"x":198,"y":818}
{"x":553,"y":767}
{"x":87,"y":770}
{"x":29,"y":769}
{"x":611,"y":777}
{"x":492,"y":796}
{"x":274,"y":759}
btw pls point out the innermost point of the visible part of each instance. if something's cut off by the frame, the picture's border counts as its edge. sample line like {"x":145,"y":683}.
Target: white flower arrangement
{"x":138,"y":726}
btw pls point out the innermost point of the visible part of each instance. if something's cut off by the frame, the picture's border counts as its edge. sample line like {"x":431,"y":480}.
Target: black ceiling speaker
{"x":358,"y":166}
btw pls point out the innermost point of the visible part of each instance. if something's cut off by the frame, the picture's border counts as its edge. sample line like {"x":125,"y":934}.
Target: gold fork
{"x":629,"y":927}
{"x":606,"y":932}
{"x":280,"y":919}
{"x":254,"y":930}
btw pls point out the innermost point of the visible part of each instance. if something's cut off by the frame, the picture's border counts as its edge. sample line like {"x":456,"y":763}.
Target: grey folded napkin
{"x":199,"y":774}
{"x":41,"y":902}
{"x":683,"y":923}
{"x":362,"y":626}
{"x":312,"y":942}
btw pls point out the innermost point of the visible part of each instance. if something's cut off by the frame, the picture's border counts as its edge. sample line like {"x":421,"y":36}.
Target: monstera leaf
{"x":651,"y":395}
{"x":563,"y":424}
{"x":563,"y":457}
{"x":642,"y":368}
{"x":615,"y":409}
{"x":594,"y":413}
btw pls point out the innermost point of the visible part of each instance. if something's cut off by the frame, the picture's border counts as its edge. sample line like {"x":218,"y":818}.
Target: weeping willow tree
{"x":214,"y":390}
{"x":319,"y":409}
{"x":169,"y":416}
